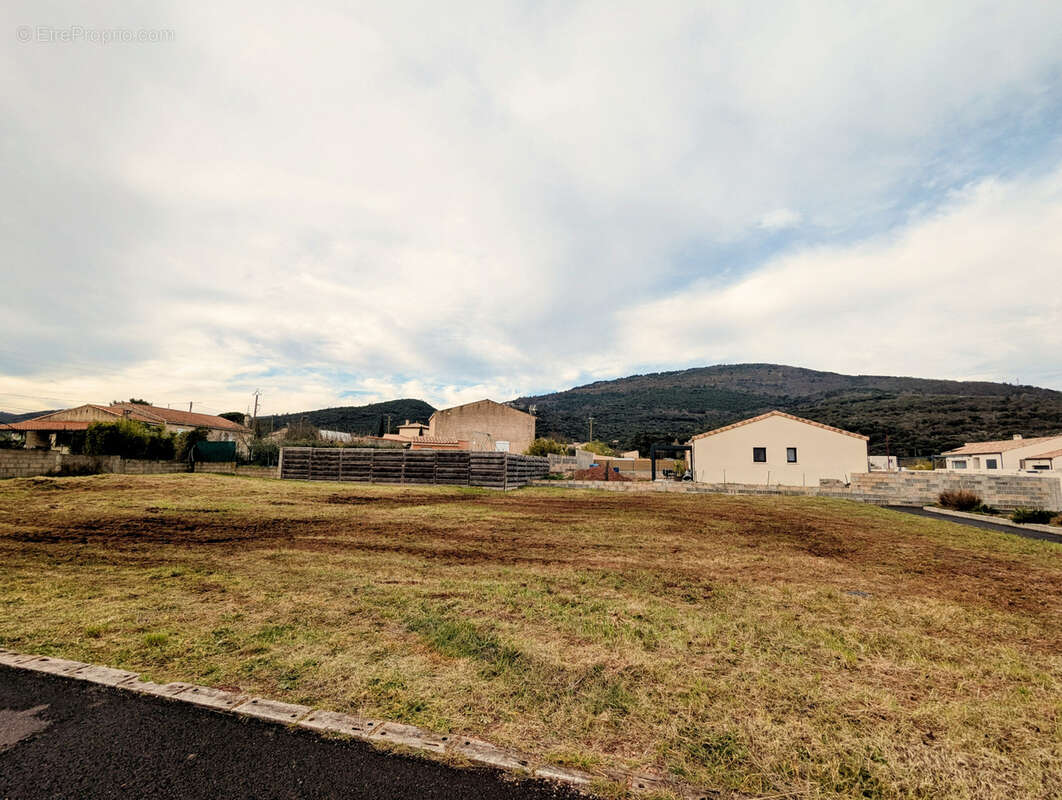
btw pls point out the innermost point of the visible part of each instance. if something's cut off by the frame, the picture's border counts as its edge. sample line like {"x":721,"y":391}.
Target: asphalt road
{"x":976,"y":523}
{"x":63,"y":738}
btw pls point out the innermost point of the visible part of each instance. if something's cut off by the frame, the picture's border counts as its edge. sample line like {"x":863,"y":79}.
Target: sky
{"x":342,"y":203}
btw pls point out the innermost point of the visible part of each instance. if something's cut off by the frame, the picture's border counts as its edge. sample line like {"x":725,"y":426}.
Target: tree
{"x":233,"y":416}
{"x":544,"y":447}
{"x":188,"y":440}
{"x":599,"y":448}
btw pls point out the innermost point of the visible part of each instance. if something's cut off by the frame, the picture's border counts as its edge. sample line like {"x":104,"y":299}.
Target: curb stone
{"x":1054,"y":530}
{"x":323,"y":721}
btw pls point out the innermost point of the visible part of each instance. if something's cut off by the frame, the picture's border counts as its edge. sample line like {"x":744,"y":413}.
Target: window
{"x":759,"y":455}
{"x":991,"y":463}
{"x":958,"y":465}
{"x":790,"y":455}
{"x":1040,"y":466}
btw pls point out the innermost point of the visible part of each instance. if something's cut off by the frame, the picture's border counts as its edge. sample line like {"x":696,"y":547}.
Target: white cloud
{"x":780,"y":219}
{"x":971,"y":292}
{"x":448,"y":202}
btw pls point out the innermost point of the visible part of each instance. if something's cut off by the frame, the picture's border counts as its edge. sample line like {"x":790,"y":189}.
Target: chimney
{"x":1017,"y":436}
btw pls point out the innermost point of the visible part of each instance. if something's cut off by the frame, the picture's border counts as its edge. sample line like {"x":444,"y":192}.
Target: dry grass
{"x":766,"y":645}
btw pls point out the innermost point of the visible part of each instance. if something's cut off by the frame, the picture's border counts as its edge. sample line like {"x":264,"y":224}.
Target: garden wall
{"x":914,"y":488}
{"x":28,"y":463}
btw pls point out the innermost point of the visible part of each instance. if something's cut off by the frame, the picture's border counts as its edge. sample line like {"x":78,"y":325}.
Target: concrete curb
{"x":1029,"y":526}
{"x":379,"y":732}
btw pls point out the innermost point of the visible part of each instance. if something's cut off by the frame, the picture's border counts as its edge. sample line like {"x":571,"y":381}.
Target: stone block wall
{"x":29,"y":463}
{"x":885,"y":489}
{"x":921,"y":488}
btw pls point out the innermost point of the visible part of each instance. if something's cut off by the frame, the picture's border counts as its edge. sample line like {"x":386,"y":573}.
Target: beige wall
{"x":483,"y":425}
{"x":727,"y":456}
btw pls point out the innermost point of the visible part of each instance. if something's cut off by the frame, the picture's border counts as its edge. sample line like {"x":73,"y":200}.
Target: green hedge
{"x":128,"y":439}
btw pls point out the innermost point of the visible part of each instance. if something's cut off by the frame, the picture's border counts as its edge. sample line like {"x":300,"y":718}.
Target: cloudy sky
{"x":458,"y":200}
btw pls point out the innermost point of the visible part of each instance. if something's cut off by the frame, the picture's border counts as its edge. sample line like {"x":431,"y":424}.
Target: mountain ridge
{"x":905,"y":416}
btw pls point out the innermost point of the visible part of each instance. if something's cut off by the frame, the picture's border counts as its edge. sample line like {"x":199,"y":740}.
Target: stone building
{"x":485,"y":426}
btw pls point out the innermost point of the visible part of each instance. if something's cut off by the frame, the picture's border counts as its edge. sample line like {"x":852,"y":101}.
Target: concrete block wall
{"x":29,"y":463}
{"x":886,"y":489}
{"x":921,"y":488}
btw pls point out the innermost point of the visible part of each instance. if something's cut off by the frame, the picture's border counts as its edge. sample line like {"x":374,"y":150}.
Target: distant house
{"x":484,"y":426}
{"x":778,"y":448}
{"x":53,"y":431}
{"x":409,"y":432}
{"x":1007,"y":454}
{"x":1051,"y":460}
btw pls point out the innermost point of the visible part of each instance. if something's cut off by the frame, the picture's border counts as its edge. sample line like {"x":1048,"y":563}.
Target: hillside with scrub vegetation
{"x":908,"y":416}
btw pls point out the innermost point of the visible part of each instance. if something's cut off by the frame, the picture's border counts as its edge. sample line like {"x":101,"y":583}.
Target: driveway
{"x":62,"y":738}
{"x":976,"y":523}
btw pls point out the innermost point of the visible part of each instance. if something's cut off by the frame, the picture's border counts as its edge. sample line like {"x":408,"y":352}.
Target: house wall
{"x":978,"y":463}
{"x":821,"y":454}
{"x":484,"y":424}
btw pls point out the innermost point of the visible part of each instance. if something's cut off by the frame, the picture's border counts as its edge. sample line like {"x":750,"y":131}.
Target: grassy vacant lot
{"x":772,"y":646}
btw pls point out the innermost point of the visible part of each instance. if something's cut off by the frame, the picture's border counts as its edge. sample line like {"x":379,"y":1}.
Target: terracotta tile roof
{"x":433,"y":440}
{"x":1050,"y":454}
{"x":37,"y":425}
{"x":988,"y":448}
{"x":152,"y":415}
{"x":779,"y":414}
{"x":189,"y":418}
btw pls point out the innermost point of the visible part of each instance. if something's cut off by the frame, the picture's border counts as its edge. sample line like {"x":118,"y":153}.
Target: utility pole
{"x":190,"y":406}
{"x":388,"y":422}
{"x":254,"y":416}
{"x":591,"y":429}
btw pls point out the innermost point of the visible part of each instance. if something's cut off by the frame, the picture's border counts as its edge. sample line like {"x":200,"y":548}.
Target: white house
{"x":1042,"y":462}
{"x":1008,"y":454}
{"x":778,"y":448}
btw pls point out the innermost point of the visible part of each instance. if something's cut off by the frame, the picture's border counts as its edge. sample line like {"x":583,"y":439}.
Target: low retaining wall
{"x":921,"y":488}
{"x":29,"y":463}
{"x":443,"y":467}
{"x":914,"y":488}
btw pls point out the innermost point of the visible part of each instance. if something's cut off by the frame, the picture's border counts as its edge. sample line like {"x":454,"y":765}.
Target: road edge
{"x":386,"y":733}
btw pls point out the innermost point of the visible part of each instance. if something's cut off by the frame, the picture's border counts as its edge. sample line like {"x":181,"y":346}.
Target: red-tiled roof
{"x":153,"y":415}
{"x":988,"y":448}
{"x":1050,"y":454}
{"x":35,"y":425}
{"x":189,"y":418}
{"x":779,"y":414}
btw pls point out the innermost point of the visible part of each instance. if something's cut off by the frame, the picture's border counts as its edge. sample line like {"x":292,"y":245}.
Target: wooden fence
{"x":446,"y":467}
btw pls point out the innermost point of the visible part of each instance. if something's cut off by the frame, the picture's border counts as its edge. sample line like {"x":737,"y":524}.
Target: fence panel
{"x":426,"y":467}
